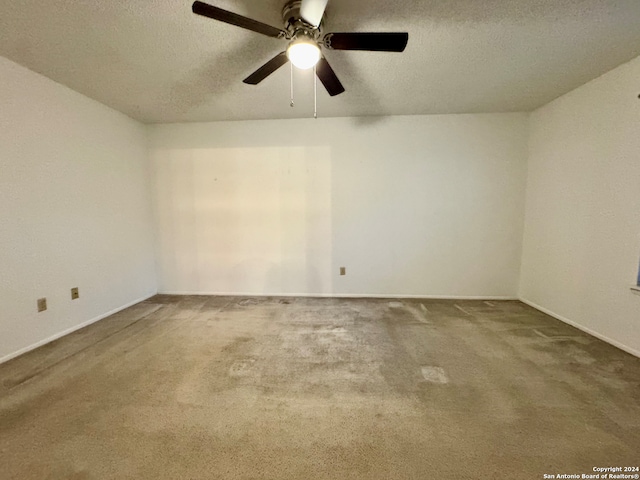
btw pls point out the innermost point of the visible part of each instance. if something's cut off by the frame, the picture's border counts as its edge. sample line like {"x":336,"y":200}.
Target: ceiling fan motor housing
{"x":294,"y":23}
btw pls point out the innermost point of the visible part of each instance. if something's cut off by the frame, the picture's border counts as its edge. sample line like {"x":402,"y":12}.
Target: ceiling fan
{"x":303,"y":31}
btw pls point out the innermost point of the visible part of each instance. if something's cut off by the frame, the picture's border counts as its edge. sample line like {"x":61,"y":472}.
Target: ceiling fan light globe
{"x":303,"y":55}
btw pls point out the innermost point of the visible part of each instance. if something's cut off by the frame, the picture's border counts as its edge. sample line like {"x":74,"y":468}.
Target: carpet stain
{"x":434,"y":375}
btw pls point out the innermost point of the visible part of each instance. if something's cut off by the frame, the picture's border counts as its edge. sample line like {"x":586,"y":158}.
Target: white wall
{"x":420,"y":205}
{"x":582,"y":234}
{"x":74,"y":209}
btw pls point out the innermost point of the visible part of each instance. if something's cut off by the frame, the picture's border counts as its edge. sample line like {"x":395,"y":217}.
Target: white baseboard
{"x":593,"y":333}
{"x":58,"y":335}
{"x":341,"y":295}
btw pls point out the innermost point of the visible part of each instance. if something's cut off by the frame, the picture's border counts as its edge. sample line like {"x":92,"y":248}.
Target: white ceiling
{"x":158,"y":62}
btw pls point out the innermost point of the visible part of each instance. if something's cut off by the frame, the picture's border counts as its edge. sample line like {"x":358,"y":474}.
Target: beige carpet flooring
{"x":292,"y":388}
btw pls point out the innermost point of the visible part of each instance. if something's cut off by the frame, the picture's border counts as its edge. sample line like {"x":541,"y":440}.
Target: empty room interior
{"x":320,"y":240}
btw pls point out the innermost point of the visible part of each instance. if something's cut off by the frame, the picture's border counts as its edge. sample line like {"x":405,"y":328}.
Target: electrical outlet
{"x":74,"y":293}
{"x":343,"y":270}
{"x":42,"y":304}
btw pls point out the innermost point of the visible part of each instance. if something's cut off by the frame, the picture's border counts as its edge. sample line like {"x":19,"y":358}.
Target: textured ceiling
{"x":158,"y":62}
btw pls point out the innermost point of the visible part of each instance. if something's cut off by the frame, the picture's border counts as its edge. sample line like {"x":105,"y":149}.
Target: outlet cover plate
{"x":42,"y":304}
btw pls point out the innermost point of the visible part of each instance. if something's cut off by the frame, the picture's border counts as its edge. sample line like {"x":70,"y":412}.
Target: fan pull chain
{"x":315,"y":93}
{"x":291,"y":104}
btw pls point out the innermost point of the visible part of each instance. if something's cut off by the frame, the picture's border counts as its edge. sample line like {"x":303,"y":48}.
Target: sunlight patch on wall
{"x":244,"y":220}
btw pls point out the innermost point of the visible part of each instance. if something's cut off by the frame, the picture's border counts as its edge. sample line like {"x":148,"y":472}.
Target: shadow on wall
{"x":279,"y":274}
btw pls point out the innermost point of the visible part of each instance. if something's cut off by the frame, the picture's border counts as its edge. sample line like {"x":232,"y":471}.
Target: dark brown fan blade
{"x":231,"y":18}
{"x":375,"y":42}
{"x":267,"y":69}
{"x":328,"y":77}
